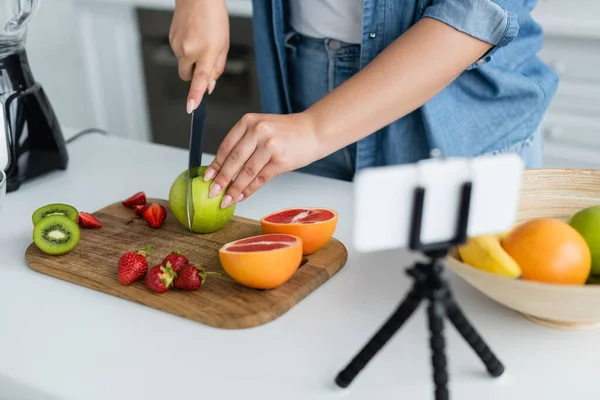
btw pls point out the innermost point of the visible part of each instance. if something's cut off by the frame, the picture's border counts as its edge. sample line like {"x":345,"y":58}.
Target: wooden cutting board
{"x":220,"y":302}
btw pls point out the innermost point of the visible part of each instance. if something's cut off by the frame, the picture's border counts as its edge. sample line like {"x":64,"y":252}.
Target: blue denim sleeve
{"x":492,"y":21}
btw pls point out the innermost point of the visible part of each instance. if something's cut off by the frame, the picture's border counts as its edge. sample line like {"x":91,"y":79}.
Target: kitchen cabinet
{"x":572,"y":48}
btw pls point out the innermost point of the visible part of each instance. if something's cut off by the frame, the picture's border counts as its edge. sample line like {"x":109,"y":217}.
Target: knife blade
{"x":194,"y":156}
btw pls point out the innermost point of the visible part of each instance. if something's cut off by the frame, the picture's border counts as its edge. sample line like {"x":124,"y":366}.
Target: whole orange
{"x":549,"y":250}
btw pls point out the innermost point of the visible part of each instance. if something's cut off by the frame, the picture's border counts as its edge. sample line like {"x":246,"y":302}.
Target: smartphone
{"x":384,"y":199}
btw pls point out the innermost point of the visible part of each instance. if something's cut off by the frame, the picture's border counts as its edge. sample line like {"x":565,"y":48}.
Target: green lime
{"x":587,"y":223}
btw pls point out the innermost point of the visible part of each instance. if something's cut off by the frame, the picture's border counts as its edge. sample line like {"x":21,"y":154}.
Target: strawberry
{"x":160,"y":278}
{"x":137,"y":199}
{"x":139,"y":208}
{"x":191,"y":277}
{"x":87,"y":220}
{"x":177,"y":259}
{"x":155,"y":215}
{"x":132,"y":266}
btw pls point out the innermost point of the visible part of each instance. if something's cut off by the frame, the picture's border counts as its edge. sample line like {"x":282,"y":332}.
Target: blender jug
{"x":31,"y":140}
{"x":14,"y":17}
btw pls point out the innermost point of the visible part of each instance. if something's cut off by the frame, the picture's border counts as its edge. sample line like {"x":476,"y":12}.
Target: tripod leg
{"x":435,"y":313}
{"x":458,"y":319}
{"x":403,"y":312}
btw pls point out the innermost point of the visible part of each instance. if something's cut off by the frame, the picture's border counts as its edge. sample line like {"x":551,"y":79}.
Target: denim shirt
{"x":495,"y":105}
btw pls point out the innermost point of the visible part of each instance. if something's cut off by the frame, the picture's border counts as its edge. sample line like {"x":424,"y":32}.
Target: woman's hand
{"x":199,"y":37}
{"x":261,"y":146}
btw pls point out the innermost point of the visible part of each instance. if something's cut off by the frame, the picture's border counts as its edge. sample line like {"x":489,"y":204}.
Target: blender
{"x":31,"y":141}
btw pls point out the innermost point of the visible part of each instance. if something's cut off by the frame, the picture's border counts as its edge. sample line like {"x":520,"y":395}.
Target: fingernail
{"x":239,"y":198}
{"x":209,"y":174}
{"x":226,"y":201}
{"x":190,"y":106}
{"x":211,"y":86}
{"x":215,"y":189}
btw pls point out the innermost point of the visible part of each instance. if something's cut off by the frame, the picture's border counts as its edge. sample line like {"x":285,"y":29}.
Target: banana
{"x":503,"y":235}
{"x":486,"y":253}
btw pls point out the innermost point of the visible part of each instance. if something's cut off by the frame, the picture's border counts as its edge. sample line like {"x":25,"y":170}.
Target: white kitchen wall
{"x":55,"y":57}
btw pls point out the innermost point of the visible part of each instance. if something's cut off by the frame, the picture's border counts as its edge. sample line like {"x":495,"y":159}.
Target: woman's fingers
{"x":266,"y":174}
{"x":217,"y":71}
{"x":247,"y":174}
{"x":185,"y":69}
{"x":200,"y":82}
{"x":227,"y":145}
{"x":238,"y":156}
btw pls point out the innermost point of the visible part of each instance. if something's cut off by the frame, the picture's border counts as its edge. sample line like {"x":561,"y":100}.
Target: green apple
{"x":587,"y":223}
{"x":208,"y":214}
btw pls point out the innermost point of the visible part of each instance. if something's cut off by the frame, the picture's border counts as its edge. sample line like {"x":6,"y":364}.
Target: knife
{"x":195,"y":156}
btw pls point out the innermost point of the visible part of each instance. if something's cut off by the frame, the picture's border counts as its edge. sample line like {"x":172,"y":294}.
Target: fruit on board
{"x":56,"y":234}
{"x":139,"y":208}
{"x":502,"y":235}
{"x":155,"y":215}
{"x":87,"y":220}
{"x":549,"y":250}
{"x":263,"y":261}
{"x":315,"y":226}
{"x":177,"y":260}
{"x":190,"y":277}
{"x":593,"y":280}
{"x":486,"y":253}
{"x":132,"y":266}
{"x":587,"y":223}
{"x":55,"y":209}
{"x":208,"y":214}
{"x":138,"y":198}
{"x":160,"y":278}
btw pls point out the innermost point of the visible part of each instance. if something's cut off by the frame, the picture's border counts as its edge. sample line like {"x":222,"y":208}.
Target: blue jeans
{"x":317,"y":66}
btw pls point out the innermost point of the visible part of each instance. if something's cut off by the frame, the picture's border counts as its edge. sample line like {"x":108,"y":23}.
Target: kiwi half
{"x":56,"y":234}
{"x":55,"y":209}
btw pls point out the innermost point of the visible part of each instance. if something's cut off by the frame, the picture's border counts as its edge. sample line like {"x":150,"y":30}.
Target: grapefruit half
{"x":262,"y":261}
{"x":315,"y":226}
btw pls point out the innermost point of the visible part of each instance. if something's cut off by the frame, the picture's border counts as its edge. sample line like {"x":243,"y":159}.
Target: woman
{"x":349,"y":84}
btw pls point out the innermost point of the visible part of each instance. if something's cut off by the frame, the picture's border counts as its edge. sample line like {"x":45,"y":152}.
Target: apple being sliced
{"x":208,"y":214}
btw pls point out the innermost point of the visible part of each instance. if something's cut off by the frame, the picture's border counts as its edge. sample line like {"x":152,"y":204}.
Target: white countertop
{"x":60,"y":341}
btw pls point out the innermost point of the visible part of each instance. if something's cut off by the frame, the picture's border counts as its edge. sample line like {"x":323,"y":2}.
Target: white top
{"x":60,"y":341}
{"x":334,"y":19}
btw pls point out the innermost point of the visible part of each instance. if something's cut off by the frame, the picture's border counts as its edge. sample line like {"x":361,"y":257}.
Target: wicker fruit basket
{"x":553,"y":193}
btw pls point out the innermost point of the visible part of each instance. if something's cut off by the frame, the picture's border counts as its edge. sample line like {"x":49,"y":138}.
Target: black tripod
{"x":429,"y":284}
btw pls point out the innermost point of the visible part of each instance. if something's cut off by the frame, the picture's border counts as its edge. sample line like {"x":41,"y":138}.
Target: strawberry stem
{"x":203,"y":273}
{"x":168,"y":274}
{"x":177,"y":252}
{"x":145,"y":251}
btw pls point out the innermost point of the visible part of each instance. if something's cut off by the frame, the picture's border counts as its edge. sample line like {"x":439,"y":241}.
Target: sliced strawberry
{"x":137,"y":199}
{"x":155,"y":215}
{"x":87,"y":220}
{"x":139,"y":208}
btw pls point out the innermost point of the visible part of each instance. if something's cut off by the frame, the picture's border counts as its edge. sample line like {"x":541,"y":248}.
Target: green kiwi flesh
{"x":55,"y":209}
{"x":56,"y":234}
